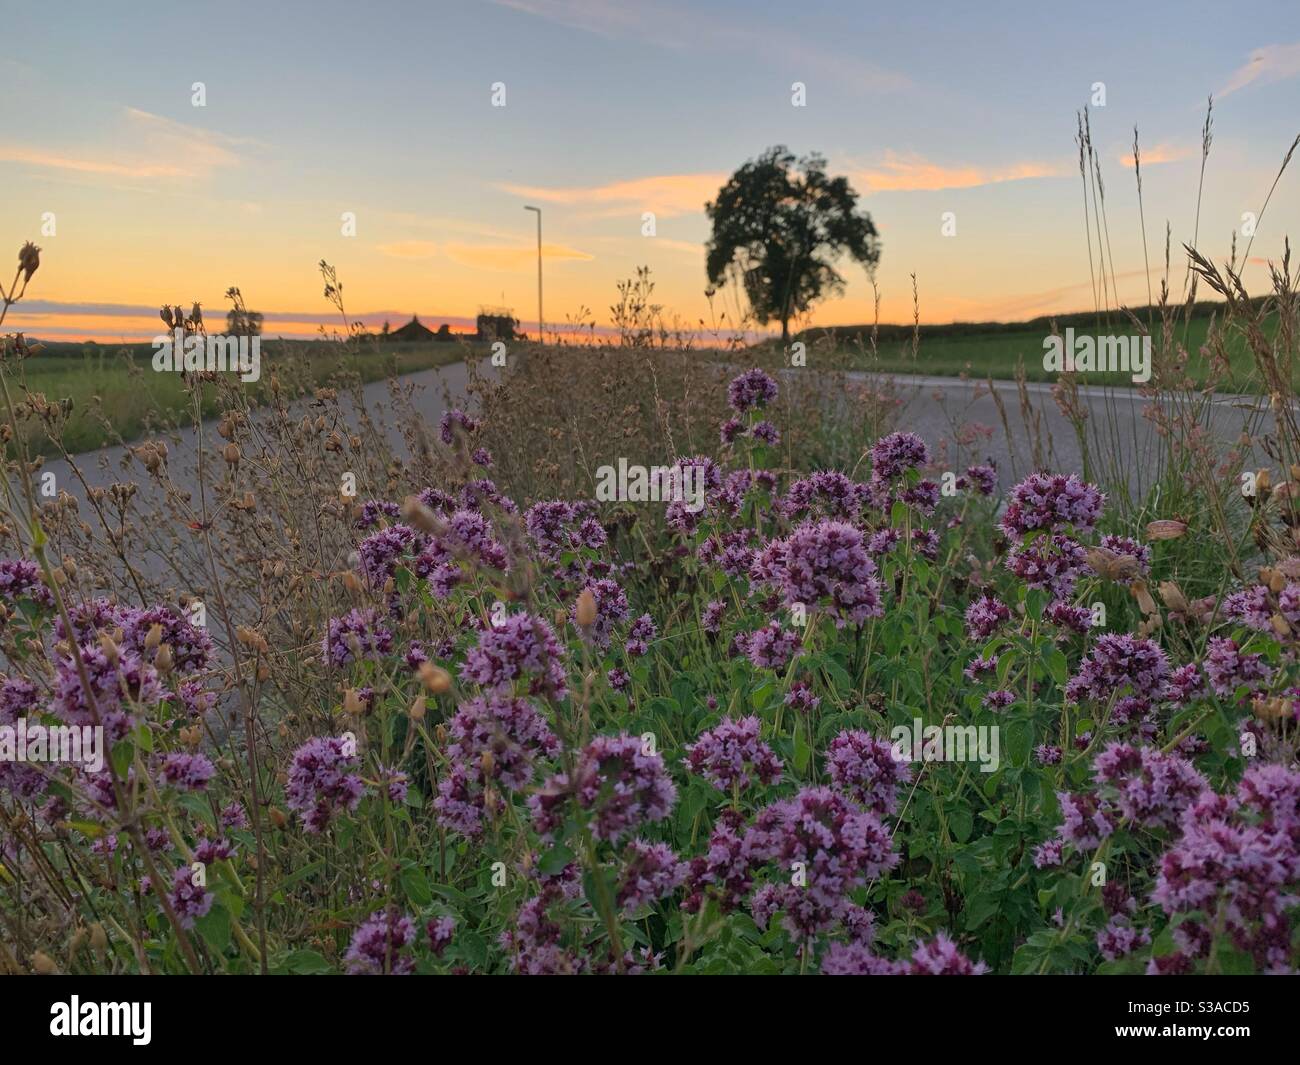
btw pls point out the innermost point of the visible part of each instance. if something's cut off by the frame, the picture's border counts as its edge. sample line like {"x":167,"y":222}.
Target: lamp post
{"x":538,"y":212}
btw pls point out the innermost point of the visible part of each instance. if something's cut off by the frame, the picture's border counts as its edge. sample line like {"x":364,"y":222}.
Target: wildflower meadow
{"x":730,"y":643}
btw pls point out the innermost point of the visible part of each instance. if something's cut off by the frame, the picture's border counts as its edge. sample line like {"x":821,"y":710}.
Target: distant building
{"x":413,"y":331}
{"x":497,"y":323}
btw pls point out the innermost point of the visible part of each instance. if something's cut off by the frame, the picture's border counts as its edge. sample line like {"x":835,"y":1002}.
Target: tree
{"x":779,"y":226}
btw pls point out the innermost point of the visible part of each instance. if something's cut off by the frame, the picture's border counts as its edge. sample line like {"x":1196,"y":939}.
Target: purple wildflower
{"x":730,"y":755}
{"x":323,"y":781}
{"x":377,"y":945}
{"x":864,"y":768}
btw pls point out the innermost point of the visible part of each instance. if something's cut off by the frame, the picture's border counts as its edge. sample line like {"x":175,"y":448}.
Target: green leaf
{"x":960,"y":824}
{"x":214,"y":927}
{"x":980,"y":907}
{"x":416,"y":886}
{"x":802,"y":752}
{"x":554,"y":860}
{"x":1057,"y":665}
{"x":305,"y":963}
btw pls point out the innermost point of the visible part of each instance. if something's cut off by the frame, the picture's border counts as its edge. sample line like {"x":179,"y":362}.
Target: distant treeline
{"x":852,"y":334}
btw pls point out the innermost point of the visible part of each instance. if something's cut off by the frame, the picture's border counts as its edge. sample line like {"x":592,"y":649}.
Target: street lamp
{"x":538,"y":212}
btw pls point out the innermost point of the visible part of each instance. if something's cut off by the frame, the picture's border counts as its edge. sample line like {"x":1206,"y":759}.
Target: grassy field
{"x":117,"y":383}
{"x":998,"y":352}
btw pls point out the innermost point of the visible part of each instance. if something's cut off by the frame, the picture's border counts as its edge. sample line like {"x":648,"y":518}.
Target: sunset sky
{"x":613,"y":109}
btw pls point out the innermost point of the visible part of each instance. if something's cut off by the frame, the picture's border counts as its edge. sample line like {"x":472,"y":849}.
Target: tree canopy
{"x":780,"y":224}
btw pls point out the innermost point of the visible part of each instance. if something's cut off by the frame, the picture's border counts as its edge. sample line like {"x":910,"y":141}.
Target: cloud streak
{"x":667,"y":195}
{"x":913,"y":173}
{"x":1160,"y":153}
{"x":1273,"y":62}
{"x":145,"y":146}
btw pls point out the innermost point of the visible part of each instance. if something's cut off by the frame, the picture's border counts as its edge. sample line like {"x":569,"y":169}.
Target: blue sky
{"x":613,"y":109}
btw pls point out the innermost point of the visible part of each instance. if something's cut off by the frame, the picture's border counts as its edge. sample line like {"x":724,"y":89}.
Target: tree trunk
{"x":785,"y":330}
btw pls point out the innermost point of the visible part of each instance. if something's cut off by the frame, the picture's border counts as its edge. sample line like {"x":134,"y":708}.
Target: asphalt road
{"x":934,"y":407}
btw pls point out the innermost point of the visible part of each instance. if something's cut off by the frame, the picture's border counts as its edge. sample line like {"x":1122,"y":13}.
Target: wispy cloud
{"x":409,"y":249}
{"x":1156,"y":154}
{"x":510,"y":257}
{"x":910,"y":172}
{"x":1273,"y":62}
{"x":685,"y":28}
{"x":667,"y":195}
{"x":144,"y":146}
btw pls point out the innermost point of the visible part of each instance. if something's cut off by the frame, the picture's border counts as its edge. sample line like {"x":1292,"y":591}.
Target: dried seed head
{"x":1271,"y":708}
{"x":1144,"y":601}
{"x":1112,"y":566}
{"x":98,"y":938}
{"x":585,"y":613}
{"x":43,"y":964}
{"x":435,"y":678}
{"x":278,"y":818}
{"x":416,"y":710}
{"x":231,"y":454}
{"x":421,"y":516}
{"x":163,"y":660}
{"x":352,"y":702}
{"x":109,"y":648}
{"x":1166,"y":529}
{"x":1172,"y":596}
{"x":153,"y":637}
{"x":29,"y":260}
